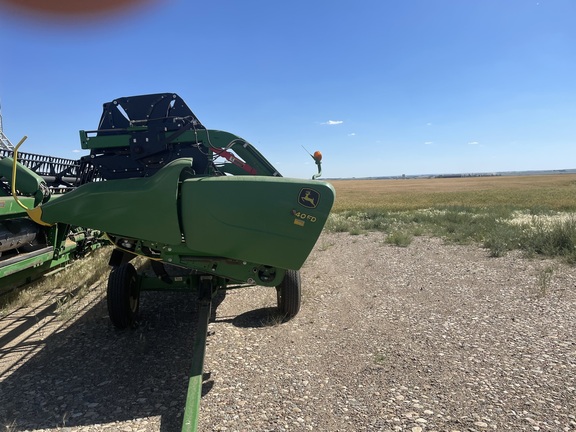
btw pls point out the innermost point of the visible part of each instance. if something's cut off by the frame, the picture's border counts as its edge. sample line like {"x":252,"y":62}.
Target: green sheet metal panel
{"x":9,"y":208}
{"x":273,"y":221}
{"x":27,"y":181}
{"x":106,"y":141}
{"x":141,"y":208}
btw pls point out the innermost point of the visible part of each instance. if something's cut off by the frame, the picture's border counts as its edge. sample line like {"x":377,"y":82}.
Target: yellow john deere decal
{"x":309,"y":198}
{"x":301,"y":217}
{"x":298,"y":222}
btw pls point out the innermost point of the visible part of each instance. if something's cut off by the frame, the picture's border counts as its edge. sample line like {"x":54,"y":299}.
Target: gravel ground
{"x":431,"y":337}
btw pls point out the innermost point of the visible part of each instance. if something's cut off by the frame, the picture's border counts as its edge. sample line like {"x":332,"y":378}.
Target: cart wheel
{"x":123,"y":296}
{"x":289,"y":294}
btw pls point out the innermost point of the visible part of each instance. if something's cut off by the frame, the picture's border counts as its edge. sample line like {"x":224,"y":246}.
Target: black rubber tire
{"x":123,"y":296}
{"x":289,"y":294}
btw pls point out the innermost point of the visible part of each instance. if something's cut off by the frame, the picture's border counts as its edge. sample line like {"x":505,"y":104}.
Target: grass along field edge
{"x":534,"y":214}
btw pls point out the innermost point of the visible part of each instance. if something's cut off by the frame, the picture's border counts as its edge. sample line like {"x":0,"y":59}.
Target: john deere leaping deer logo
{"x":309,"y":198}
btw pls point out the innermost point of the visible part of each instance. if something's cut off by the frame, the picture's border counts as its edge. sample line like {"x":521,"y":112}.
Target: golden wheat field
{"x":554,"y":192}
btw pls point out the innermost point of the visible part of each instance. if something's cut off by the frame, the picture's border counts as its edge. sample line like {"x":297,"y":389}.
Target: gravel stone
{"x":430,"y":337}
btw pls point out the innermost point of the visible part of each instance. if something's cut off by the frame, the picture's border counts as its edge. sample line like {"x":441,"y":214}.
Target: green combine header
{"x":204,"y":206}
{"x":29,"y":250}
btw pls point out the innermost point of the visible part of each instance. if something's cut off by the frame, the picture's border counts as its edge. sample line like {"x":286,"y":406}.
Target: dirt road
{"x":431,"y":337}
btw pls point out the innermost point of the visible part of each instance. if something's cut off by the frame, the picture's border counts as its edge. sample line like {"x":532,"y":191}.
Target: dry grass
{"x":70,"y":282}
{"x":554,"y":192}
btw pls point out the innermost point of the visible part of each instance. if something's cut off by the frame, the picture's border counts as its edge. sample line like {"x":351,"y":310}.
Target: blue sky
{"x":380,"y":87}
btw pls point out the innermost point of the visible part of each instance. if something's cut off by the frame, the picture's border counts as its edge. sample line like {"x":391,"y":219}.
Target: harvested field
{"x":554,"y":192}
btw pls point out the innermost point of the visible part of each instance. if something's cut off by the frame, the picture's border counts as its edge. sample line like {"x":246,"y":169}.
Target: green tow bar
{"x":194,"y":395}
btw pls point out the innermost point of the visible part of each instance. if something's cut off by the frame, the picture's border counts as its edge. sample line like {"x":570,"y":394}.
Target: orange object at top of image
{"x":72,"y":8}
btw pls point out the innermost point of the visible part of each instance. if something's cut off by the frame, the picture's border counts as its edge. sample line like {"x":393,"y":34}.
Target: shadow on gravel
{"x":263,"y":317}
{"x":91,"y":373}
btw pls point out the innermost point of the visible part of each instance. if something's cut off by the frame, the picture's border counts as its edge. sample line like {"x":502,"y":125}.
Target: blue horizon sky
{"x":380,"y":87}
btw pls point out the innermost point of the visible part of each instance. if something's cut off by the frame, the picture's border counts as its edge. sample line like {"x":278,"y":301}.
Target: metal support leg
{"x":191,"y":412}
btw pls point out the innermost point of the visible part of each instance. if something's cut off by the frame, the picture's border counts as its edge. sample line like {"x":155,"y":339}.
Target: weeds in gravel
{"x":273,"y":319}
{"x":324,"y":246}
{"x":552,"y":237}
{"x":72,"y":282}
{"x":400,"y":238}
{"x":535,"y":231}
{"x":544,"y":279}
{"x":533,"y":214}
{"x":379,"y":358}
{"x":67,"y":305}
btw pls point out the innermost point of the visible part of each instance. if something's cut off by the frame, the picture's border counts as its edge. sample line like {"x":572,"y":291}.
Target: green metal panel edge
{"x":144,"y":208}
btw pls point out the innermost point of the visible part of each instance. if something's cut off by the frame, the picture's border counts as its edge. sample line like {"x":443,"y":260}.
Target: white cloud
{"x":76,"y":151}
{"x":428,"y":124}
{"x":429,"y":142}
{"x":333,"y":122}
{"x":352,"y":134}
{"x":473,"y":142}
